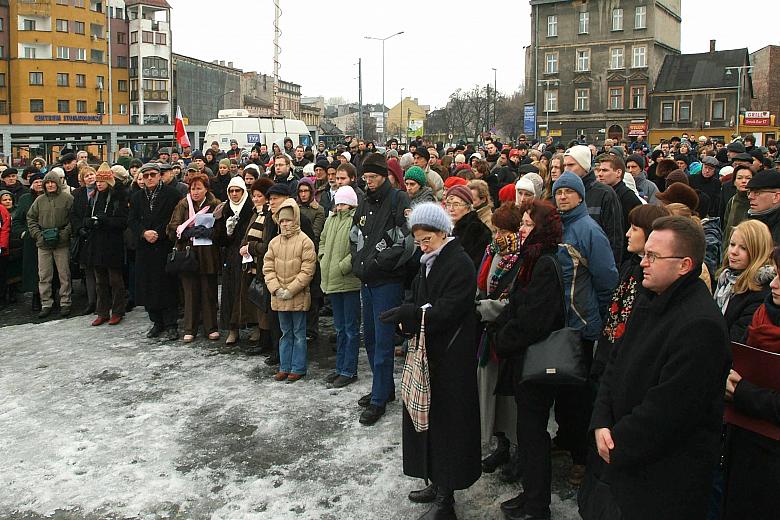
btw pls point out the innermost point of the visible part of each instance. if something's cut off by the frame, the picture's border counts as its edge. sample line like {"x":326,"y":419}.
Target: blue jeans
{"x":346,"y":308}
{"x":292,"y":346}
{"x":378,"y":337}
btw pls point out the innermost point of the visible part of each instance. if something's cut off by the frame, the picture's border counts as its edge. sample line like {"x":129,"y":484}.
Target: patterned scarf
{"x":151,"y":196}
{"x":508,"y":247}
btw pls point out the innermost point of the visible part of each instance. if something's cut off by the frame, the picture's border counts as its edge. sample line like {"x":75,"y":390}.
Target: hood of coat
{"x":295,"y":227}
{"x":52,"y":177}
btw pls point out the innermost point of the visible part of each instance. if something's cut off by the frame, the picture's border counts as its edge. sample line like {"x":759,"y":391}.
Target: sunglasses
{"x":147,"y":175}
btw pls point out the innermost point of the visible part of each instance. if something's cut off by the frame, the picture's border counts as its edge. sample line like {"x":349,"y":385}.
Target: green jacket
{"x":51,"y":210}
{"x":335,"y":257}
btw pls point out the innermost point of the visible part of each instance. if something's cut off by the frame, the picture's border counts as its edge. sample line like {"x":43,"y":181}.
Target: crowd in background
{"x":484,"y":251}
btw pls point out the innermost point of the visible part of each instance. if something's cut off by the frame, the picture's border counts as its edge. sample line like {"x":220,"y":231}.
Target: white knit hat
{"x":431,"y":214}
{"x":346,"y":195}
{"x":524,"y":183}
{"x":581,"y":154}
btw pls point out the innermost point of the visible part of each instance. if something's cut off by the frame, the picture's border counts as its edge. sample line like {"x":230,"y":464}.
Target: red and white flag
{"x":181,"y":133}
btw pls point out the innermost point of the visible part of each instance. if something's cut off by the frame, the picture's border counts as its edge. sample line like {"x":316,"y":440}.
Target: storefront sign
{"x":756,"y":119}
{"x":70,"y":118}
{"x":637,"y":128}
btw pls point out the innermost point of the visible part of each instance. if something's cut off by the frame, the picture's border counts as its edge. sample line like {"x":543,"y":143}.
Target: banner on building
{"x":756,"y":119}
{"x":637,"y":127}
{"x":529,"y":119}
{"x":415,"y":128}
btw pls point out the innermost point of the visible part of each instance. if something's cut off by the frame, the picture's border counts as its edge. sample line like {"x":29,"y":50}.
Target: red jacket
{"x":5,"y":231}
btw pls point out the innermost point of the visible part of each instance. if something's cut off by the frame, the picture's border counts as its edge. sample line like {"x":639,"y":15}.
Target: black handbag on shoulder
{"x":558,"y":359}
{"x":179,"y":262}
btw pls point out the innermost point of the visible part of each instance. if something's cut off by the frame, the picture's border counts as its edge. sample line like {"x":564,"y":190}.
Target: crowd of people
{"x":654,"y":258}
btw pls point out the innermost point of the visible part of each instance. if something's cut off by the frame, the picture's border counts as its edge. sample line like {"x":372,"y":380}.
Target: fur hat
{"x":346,"y":195}
{"x":431,"y":214}
{"x":676,"y":176}
{"x":462,"y":192}
{"x":665,"y":167}
{"x":681,"y":193}
{"x":572,"y":181}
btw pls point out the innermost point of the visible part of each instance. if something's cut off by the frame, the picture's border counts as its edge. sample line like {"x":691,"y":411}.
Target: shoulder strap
{"x":559,"y":273}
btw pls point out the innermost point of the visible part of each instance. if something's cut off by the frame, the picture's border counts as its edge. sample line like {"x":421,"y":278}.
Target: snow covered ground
{"x":100,"y":422}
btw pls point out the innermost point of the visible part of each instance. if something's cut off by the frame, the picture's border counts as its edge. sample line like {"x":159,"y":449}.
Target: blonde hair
{"x":83,"y":170}
{"x":544,"y":173}
{"x":759,"y":244}
{"x":482,"y":190}
{"x":677,"y":209}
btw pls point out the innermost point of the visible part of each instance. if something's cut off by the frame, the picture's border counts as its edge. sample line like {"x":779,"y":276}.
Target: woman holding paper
{"x":753,"y":458}
{"x":192,"y":225}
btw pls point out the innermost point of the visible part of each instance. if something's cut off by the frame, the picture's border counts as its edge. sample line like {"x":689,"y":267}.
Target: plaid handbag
{"x":416,"y":381}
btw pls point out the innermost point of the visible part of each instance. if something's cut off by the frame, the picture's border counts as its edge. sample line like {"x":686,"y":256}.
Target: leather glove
{"x":201,"y":232}
{"x":284,"y":294}
{"x":187,"y":233}
{"x":390,"y":315}
{"x":230,"y":224}
{"x":407,"y":315}
{"x":89,"y":223}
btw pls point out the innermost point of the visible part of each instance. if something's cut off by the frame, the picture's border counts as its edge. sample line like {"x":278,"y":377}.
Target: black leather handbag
{"x":184,"y":261}
{"x":256,"y":292}
{"x":557,"y":359}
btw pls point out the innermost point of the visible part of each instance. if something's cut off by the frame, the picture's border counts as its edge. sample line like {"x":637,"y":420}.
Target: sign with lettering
{"x":69,"y":118}
{"x":637,"y":128}
{"x":529,"y":119}
{"x":753,"y":118}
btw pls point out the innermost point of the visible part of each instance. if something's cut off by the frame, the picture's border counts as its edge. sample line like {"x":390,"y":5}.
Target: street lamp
{"x":221,"y":98}
{"x":495,"y":97}
{"x":400,"y":117}
{"x":384,"y":110}
{"x":547,"y":84}
{"x":729,"y":71}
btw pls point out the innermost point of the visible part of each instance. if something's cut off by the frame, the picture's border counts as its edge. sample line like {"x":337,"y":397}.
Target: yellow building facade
{"x":408,"y":117}
{"x":59,"y":64}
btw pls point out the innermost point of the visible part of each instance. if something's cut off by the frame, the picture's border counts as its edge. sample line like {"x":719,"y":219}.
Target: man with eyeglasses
{"x":764,"y":198}
{"x":150,"y":212}
{"x":381,"y":244}
{"x":659,"y":410}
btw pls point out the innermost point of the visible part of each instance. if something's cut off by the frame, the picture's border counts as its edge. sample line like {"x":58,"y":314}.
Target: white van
{"x":248,"y":131}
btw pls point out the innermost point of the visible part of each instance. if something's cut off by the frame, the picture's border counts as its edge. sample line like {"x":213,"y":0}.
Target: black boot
{"x":512,"y":471}
{"x":423,"y":496}
{"x":36,"y":301}
{"x":443,"y":507}
{"x":498,"y":457}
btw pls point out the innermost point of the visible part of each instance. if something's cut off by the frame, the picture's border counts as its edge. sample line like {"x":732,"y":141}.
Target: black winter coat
{"x":772,"y":220}
{"x":155,"y":289}
{"x":449,"y":452}
{"x":474,"y":235}
{"x":604,"y":207}
{"x":662,"y":398}
{"x":102,"y":237}
{"x":234,"y":307}
{"x":740,"y":310}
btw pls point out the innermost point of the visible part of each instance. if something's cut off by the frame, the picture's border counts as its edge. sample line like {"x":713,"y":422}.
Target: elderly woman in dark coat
{"x":469,"y":228}
{"x":234,"y":218}
{"x":448,"y":453}
{"x":199,"y":288}
{"x":151,"y":208}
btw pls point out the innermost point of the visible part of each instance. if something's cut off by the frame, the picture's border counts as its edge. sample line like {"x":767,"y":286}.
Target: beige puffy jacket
{"x":289,"y":264}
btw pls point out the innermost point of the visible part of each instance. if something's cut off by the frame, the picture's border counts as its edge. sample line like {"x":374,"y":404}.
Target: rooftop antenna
{"x":277,"y":51}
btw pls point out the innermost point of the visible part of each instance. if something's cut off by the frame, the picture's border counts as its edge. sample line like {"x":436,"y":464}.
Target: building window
{"x":96,"y":56}
{"x":63,"y":53}
{"x":582,"y":99}
{"x":81,"y":106}
{"x":29,"y":53}
{"x":100,"y":107}
{"x":583,"y":60}
{"x":81,"y":54}
{"x":81,"y":80}
{"x":28,"y":25}
{"x":552,"y":26}
{"x":584,"y":22}
{"x":63,"y":79}
{"x":639,"y":58}
{"x":718,"y":109}
{"x":2,"y":24}
{"x":684,"y":111}
{"x":122,"y":85}
{"x":2,"y":51}
{"x":62,"y":26}
{"x":63,"y":106}
{"x":123,"y":109}
{"x":100,"y":81}
{"x":155,"y":67}
{"x":617,"y":19}
{"x":551,"y":100}
{"x":121,"y":37}
{"x":36,"y":78}
{"x":78,"y":3}
{"x":2,"y":79}
{"x":617,"y":58}
{"x":134,"y":37}
{"x":616,"y":98}
{"x":638,"y":97}
{"x":121,"y":62}
{"x":62,"y":2}
{"x":160,"y":38}
{"x":96,"y":30}
{"x":667,"y":111}
{"x":78,"y":27}
{"x":36,"y":105}
{"x":147,"y":37}
{"x":3,"y":108}
{"x":640,"y":17}
{"x":551,"y":63}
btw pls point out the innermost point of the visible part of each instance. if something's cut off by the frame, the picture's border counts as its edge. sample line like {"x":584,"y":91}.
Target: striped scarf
{"x":507,"y":246}
{"x":255,"y":234}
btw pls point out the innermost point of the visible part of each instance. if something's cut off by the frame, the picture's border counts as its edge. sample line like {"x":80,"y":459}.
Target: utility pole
{"x":401,"y":117}
{"x":384,"y":111}
{"x":360,"y":95}
{"x":495,"y":97}
{"x":277,"y":51}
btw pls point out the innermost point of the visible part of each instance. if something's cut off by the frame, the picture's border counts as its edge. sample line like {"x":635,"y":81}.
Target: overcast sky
{"x":444,"y":46}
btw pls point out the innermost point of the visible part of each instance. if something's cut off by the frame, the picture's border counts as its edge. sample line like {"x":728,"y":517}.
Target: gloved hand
{"x":100,"y":220}
{"x":89,"y":223}
{"x":201,"y":232}
{"x":230,"y":224}
{"x":284,"y":294}
{"x":407,"y":315}
{"x":489,"y":310}
{"x":187,"y":233}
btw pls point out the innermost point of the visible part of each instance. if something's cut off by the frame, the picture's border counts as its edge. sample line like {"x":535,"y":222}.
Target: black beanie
{"x":637,"y":159}
{"x":375,"y":163}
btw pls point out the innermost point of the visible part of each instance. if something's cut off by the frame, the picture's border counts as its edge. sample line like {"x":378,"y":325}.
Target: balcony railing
{"x":34,"y":7}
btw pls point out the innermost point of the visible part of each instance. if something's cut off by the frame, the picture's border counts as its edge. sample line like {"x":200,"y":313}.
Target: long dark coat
{"x":209,"y":260}
{"x":29,"y":249}
{"x":662,"y":398}
{"x":449,"y":452}
{"x":101,"y":246}
{"x":474,"y":235}
{"x":155,"y":289}
{"x":234,"y":307}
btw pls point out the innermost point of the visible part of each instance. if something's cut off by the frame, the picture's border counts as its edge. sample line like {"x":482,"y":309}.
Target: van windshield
{"x":305,"y":140}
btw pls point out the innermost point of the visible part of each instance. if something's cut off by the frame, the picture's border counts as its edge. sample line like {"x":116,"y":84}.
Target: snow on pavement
{"x":100,"y":422}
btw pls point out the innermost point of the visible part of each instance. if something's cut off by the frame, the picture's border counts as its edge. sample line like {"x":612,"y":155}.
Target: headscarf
{"x":237,"y":182}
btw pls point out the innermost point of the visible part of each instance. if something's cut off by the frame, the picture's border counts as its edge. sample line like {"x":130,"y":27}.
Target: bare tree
{"x":509,"y":115}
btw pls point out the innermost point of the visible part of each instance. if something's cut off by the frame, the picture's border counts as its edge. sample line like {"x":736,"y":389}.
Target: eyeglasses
{"x":454,"y":205}
{"x":425,"y":241}
{"x":235,"y":190}
{"x":147,"y":175}
{"x":652,"y":257}
{"x":759,"y":192}
{"x":368,"y":177}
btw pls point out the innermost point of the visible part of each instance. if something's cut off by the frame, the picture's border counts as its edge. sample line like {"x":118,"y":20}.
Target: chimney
{"x":712,"y":45}
{"x":230,"y":64}
{"x":215,"y":62}
{"x":222,"y":62}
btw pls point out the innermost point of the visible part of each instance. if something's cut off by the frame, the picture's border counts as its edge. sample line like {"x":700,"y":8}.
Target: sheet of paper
{"x":246,"y":258}
{"x":205,"y":220}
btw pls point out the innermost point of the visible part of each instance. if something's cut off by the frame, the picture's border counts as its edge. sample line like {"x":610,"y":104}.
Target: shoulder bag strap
{"x":559,"y":273}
